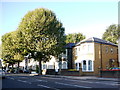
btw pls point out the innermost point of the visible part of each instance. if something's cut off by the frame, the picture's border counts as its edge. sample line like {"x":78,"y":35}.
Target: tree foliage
{"x":0,"y":50}
{"x":39,"y":33}
{"x":41,"y":30}
{"x":7,"y":54}
{"x":42,"y":33}
{"x":10,"y":51}
{"x":111,"y":34}
{"x":74,"y":37}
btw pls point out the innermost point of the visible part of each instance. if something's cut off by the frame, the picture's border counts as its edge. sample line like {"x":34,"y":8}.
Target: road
{"x":55,"y":83}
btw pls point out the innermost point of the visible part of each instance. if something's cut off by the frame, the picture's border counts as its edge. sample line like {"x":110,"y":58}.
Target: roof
{"x":96,"y":40}
{"x":69,"y":45}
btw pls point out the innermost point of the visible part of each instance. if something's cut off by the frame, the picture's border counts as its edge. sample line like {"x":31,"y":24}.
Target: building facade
{"x":88,"y":56}
{"x":54,"y":63}
{"x":94,"y":54}
{"x":69,"y":55}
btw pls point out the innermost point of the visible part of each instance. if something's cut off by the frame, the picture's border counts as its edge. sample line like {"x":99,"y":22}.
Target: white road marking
{"x":43,"y":86}
{"x":47,"y":87}
{"x":42,"y":80}
{"x":22,"y":81}
{"x":12,"y":78}
{"x":113,"y":83}
{"x":72,"y":85}
{"x":82,"y":81}
{"x":117,"y":84}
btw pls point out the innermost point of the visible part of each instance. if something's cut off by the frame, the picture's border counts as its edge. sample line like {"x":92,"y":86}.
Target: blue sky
{"x":89,"y":18}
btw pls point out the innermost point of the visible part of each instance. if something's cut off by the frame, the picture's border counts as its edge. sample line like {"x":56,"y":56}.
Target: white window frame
{"x":64,"y":65}
{"x":90,"y":65}
{"x":111,"y":50}
{"x":77,"y":66}
{"x":87,"y":66}
{"x":84,"y":65}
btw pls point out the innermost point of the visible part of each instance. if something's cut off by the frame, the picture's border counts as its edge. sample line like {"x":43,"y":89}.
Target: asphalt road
{"x":55,"y":83}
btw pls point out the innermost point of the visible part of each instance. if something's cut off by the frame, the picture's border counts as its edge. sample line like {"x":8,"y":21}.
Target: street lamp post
{"x":26,"y":61}
{"x":60,"y":63}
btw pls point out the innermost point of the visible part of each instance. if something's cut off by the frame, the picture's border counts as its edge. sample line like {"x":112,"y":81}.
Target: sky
{"x":91,"y":18}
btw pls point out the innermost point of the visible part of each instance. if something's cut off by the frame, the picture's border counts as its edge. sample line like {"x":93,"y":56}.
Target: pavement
{"x":85,"y":77}
{"x":70,"y":77}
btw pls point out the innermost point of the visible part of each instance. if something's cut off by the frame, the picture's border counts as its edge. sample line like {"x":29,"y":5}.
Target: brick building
{"x":93,"y":54}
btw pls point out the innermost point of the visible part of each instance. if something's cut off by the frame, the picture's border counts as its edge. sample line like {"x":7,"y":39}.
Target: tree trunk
{"x":40,"y":68}
{"x":18,"y":67}
{"x":18,"y":64}
{"x":12,"y":65}
{"x":26,"y":64}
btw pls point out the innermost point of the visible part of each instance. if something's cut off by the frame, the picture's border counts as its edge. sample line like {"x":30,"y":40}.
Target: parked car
{"x":18,"y":71}
{"x":26,"y":71}
{"x":2,"y":73}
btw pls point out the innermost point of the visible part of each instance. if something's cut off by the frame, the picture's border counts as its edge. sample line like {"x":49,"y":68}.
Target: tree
{"x":74,"y":37}
{"x":0,"y":50}
{"x":7,"y":55}
{"x":43,"y":34}
{"x":111,"y":34}
{"x":11,"y":52}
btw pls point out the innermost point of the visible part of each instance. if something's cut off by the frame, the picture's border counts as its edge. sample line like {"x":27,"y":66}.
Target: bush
{"x":20,"y":71}
{"x":72,"y":70}
{"x":11,"y":70}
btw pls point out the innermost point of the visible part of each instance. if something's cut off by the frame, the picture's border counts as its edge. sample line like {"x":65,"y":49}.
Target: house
{"x":69,"y":55}
{"x":28,"y":64}
{"x":93,"y":54}
{"x":54,"y":63}
{"x":88,"y":56}
{"x":2,"y":64}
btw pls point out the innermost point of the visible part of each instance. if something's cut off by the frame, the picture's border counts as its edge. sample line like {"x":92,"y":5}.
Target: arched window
{"x":64,"y":66}
{"x":90,"y":65}
{"x":84,"y":65}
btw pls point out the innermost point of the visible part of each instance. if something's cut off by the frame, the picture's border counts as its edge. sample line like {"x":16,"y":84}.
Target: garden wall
{"x":111,"y":73}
